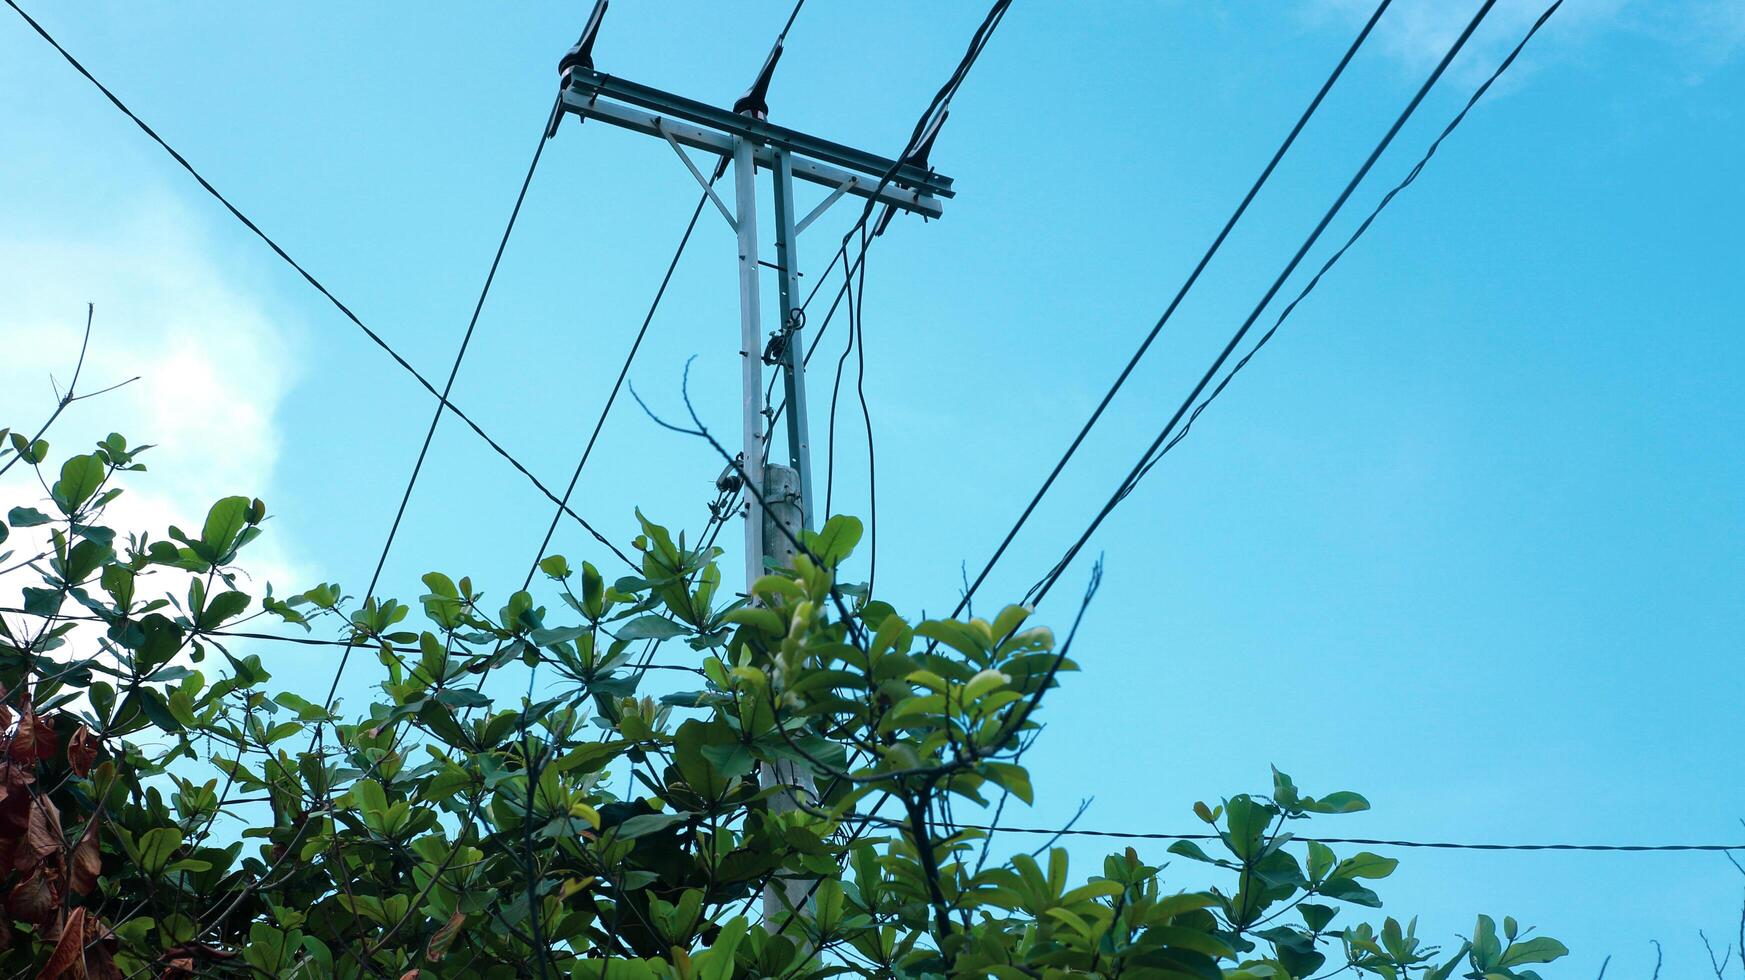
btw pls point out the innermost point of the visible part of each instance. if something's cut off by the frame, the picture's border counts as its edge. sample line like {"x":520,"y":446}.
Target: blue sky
{"x":1466,"y":538}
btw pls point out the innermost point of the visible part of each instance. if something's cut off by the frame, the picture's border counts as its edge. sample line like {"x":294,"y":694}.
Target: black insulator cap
{"x":755,"y":101}
{"x":581,"y":55}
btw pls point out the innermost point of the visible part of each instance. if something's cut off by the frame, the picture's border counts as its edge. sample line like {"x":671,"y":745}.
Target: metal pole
{"x":750,"y":354}
{"x":781,"y":490}
{"x":793,"y":350}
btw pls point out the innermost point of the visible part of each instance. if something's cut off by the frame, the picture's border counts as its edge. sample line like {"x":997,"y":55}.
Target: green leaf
{"x":1341,"y":802}
{"x":1315,"y":916}
{"x":1247,"y":821}
{"x":1192,"y":851}
{"x":650,"y":627}
{"x":555,"y":566}
{"x":1486,"y":947}
{"x":83,"y":559}
{"x":221,"y":607}
{"x":463,"y":697}
{"x":42,"y":602}
{"x":1366,"y":865}
{"x":836,"y":540}
{"x":648,"y":823}
{"x":441,"y":585}
{"x":80,"y":478}
{"x":590,"y":756}
{"x":306,"y":710}
{"x":26,"y":517}
{"x":1320,"y":860}
{"x":368,"y":796}
{"x":118,"y":582}
{"x":730,"y":759}
{"x":1012,"y":778}
{"x":224,"y":522}
{"x":1347,"y":890}
{"x":983,"y":682}
{"x":1543,"y":949}
{"x":829,"y":902}
{"x":156,"y":847}
{"x":593,"y":587}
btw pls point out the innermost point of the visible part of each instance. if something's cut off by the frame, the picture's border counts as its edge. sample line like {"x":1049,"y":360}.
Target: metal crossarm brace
{"x":593,"y":95}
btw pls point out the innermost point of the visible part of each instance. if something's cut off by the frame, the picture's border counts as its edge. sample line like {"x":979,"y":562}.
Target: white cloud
{"x":1417,"y":33}
{"x":214,"y":366}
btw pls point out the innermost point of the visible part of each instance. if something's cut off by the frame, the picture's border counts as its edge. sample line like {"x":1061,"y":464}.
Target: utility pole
{"x":744,"y":139}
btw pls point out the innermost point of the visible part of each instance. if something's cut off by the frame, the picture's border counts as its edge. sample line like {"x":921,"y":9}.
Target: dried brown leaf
{"x":43,"y":840}
{"x":443,"y":938}
{"x":23,"y":745}
{"x":68,"y":959}
{"x":46,"y":741}
{"x":87,"y":861}
{"x":82,"y":751}
{"x":37,"y":898}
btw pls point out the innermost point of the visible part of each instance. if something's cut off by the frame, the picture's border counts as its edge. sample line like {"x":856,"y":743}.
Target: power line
{"x":1410,"y":177}
{"x":941,"y":100}
{"x":618,"y":383}
{"x":1169,"y":311}
{"x":309,"y":641}
{"x":1042,"y":588}
{"x":1368,"y":841}
{"x":309,"y":277}
{"x":436,"y":417}
{"x":1071,"y":832}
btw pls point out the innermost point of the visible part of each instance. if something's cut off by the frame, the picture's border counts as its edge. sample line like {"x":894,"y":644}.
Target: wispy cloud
{"x":1417,"y":32}
{"x":214,"y":366}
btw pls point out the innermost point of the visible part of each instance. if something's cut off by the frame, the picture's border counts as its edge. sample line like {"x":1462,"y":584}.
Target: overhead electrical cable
{"x":442,"y":403}
{"x":1315,"y":280}
{"x":1371,"y":841}
{"x":1042,"y":588}
{"x":941,"y":99}
{"x":916,"y":150}
{"x":309,"y":277}
{"x":1174,"y":303}
{"x":617,"y":386}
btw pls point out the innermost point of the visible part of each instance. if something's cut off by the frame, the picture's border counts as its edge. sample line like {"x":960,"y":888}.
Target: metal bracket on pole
{"x":792,"y":326}
{"x":823,"y":206}
{"x":747,"y":139}
{"x":593,"y":95}
{"x":708,"y":189}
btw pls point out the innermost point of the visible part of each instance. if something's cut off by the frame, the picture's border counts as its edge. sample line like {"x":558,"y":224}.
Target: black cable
{"x":857,"y":322}
{"x":312,"y":641}
{"x":307,"y":275}
{"x":533,"y":766}
{"x":978,"y":42}
{"x":436,"y":418}
{"x":617,"y":385}
{"x":812,"y":347}
{"x":1410,"y":177}
{"x":1116,"y":834}
{"x":941,"y":100}
{"x":835,"y":392}
{"x":792,"y":14}
{"x":424,"y":448}
{"x":1373,"y":842}
{"x":1169,"y":311}
{"x":1042,"y":588}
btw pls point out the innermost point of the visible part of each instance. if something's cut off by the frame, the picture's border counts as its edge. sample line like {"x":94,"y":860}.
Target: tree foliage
{"x":168,"y":807}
